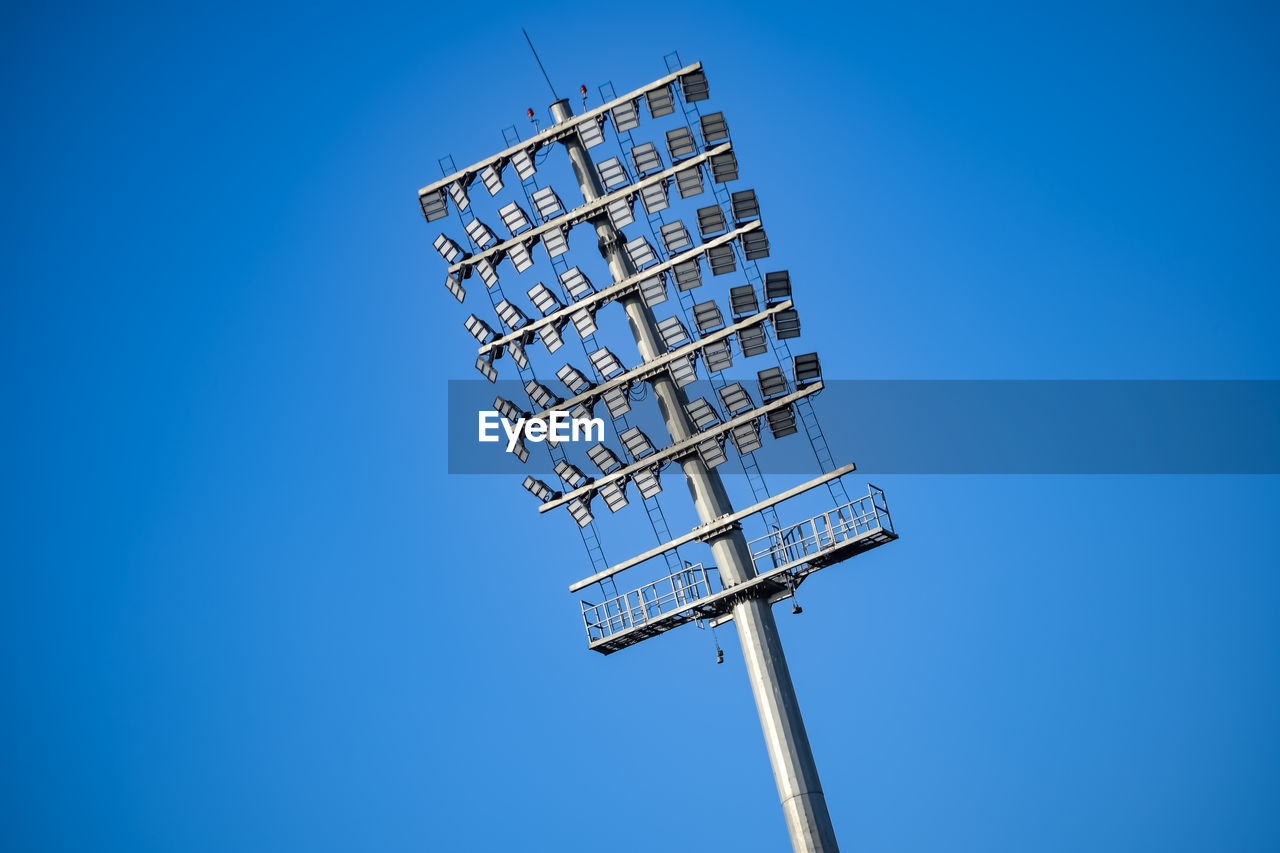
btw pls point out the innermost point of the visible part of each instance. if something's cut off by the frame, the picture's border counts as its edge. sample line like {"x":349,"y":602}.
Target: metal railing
{"x":672,"y":594}
{"x":822,"y":532}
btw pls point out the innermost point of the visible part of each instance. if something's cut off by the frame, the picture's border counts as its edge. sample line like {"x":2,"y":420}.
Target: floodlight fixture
{"x":539,"y":489}
{"x":646,"y":159}
{"x":782,"y":422}
{"x":654,"y":290}
{"x":514,"y":217}
{"x":673,"y":332}
{"x":735,"y":398}
{"x":555,"y":242}
{"x":581,"y":512}
{"x":614,"y":495}
{"x":772,"y":383}
{"x":491,"y":177}
{"x":660,"y":101}
{"x":714,"y":128}
{"x":579,"y":411}
{"x":487,"y":370}
{"x":786,"y":324}
{"x":637,"y":443}
{"x":640,"y":252}
{"x":521,"y":450}
{"x":551,"y":338}
{"x":458,"y":192}
{"x":511,"y":316}
{"x":694,"y":86}
{"x":711,"y":221}
{"x":523,"y":164}
{"x":688,"y":274}
{"x":520,"y":257}
{"x":755,"y":245}
{"x":612,"y":173}
{"x":752,"y":340}
{"x":805,"y":368}
{"x":603,"y":458}
{"x":448,"y":249}
{"x":479,"y":329}
{"x":547,"y":203}
{"x":507,"y":409}
{"x":646,"y":480}
{"x":683,"y":371}
{"x":707,"y":316}
{"x":620,"y":214}
{"x":454,"y":284}
{"x":482,"y":235}
{"x":702,"y":413}
{"x":573,"y":379}
{"x":590,"y":132}
{"x":616,"y":401}
{"x":654,"y":197}
{"x":606,"y":363}
{"x":626,"y":116}
{"x":742,"y":300}
{"x":571,"y":474}
{"x":541,"y":395}
{"x":576,"y":283}
{"x":680,"y":143}
{"x":689,"y":181}
{"x":717,"y":356}
{"x":745,"y":206}
{"x":584,"y":322}
{"x":724,"y":167}
{"x":544,"y":299}
{"x":435,"y":205}
{"x":488,"y":273}
{"x":746,"y":437}
{"x":777,"y":287}
{"x":516,"y":350}
{"x":721,"y":259}
{"x":675,"y":237}
{"x":711,"y":453}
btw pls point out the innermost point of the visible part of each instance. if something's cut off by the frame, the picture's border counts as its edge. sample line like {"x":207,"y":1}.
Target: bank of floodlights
{"x":689,"y":156}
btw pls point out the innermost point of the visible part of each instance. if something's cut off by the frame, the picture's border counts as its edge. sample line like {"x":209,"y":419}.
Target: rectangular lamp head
{"x":673,"y":332}
{"x":744,"y":205}
{"x":772,"y":383}
{"x":707,"y":316}
{"x":435,"y":205}
{"x":660,"y":101}
{"x":746,"y":437}
{"x":711,"y":221}
{"x":547,"y":203}
{"x":646,"y":159}
{"x":675,"y":237}
{"x":714,"y":129}
{"x":777,"y":287}
{"x":680,"y":144}
{"x":637,"y":443}
{"x":805,"y":368}
{"x":735,"y":398}
{"x":702,"y":413}
{"x":694,"y":86}
{"x":742,"y":300}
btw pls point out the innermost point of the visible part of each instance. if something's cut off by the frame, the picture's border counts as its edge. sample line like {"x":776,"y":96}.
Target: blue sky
{"x":246,"y":608}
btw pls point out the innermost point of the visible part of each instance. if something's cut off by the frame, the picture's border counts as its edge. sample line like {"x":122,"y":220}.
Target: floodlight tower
{"x":753,"y":576}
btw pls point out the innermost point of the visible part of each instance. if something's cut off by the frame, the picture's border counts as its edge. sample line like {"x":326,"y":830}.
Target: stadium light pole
{"x":755,"y":574}
{"x":794,"y":769}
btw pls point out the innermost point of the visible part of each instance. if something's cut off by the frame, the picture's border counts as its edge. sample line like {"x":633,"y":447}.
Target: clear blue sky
{"x":245,"y":608}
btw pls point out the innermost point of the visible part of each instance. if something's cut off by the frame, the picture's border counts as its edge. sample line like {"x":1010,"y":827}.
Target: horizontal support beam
{"x":614,"y":291}
{"x":680,"y":449}
{"x":590,"y":209}
{"x":557,"y":132}
{"x":659,"y":364}
{"x":703,"y":532}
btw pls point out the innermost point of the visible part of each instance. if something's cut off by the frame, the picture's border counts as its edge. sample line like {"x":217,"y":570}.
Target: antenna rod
{"x":539,"y":61}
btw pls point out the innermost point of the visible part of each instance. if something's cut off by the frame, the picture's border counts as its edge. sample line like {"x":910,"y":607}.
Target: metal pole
{"x":794,"y":771}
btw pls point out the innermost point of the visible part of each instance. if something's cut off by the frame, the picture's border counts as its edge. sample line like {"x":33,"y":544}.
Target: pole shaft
{"x":794,"y":770}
